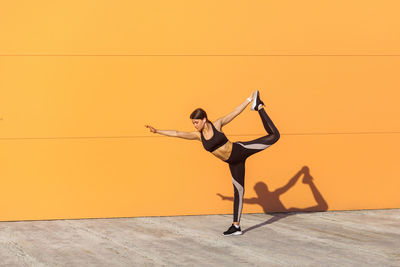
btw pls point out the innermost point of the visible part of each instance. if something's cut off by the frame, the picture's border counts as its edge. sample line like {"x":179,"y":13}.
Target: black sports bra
{"x":219,"y":139}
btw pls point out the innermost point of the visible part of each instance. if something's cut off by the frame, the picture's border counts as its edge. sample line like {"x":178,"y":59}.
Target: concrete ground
{"x":345,"y":238}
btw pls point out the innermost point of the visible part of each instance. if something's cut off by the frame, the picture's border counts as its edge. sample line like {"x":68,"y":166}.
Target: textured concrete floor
{"x":347,"y":238}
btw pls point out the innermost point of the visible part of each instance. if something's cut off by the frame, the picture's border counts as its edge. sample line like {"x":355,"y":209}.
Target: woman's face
{"x":199,"y":124}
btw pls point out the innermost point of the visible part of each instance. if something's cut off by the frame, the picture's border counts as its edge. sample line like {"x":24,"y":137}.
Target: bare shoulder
{"x":197,"y":134}
{"x":218,"y":124}
{"x":188,"y":135}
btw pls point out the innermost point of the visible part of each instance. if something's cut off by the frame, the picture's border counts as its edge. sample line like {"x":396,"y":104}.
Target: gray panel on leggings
{"x":254,"y":146}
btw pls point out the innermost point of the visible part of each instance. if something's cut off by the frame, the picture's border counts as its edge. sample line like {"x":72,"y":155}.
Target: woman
{"x":236,"y":153}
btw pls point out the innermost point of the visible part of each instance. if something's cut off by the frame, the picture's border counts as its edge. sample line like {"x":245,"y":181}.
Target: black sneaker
{"x":256,"y":101}
{"x":233,"y":231}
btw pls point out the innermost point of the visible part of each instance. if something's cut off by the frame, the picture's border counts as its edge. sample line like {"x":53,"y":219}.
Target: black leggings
{"x":240,"y":152}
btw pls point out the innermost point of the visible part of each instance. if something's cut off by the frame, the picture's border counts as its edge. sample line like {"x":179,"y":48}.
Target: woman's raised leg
{"x":263,"y":142}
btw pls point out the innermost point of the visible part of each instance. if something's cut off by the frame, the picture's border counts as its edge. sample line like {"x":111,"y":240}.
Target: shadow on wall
{"x":270,"y":201}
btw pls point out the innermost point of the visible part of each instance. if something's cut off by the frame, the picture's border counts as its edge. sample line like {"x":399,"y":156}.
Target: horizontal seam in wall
{"x":194,"y":55}
{"x":138,"y":136}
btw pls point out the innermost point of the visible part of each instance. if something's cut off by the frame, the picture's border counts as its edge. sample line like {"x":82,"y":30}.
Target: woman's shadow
{"x":271,"y":203}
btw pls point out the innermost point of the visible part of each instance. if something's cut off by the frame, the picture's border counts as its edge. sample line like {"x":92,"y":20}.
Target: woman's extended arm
{"x":228,"y":118}
{"x":173,"y":133}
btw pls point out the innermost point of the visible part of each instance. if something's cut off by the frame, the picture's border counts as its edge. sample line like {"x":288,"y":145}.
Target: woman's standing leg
{"x":237,"y":172}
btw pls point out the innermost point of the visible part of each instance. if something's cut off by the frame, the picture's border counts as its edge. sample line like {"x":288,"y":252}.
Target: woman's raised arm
{"x":228,"y":118}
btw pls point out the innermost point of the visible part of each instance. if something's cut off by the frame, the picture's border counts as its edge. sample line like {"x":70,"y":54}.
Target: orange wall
{"x":79,"y":79}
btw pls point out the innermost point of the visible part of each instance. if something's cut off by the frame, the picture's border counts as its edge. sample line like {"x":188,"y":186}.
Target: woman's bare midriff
{"x":223,"y":152}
